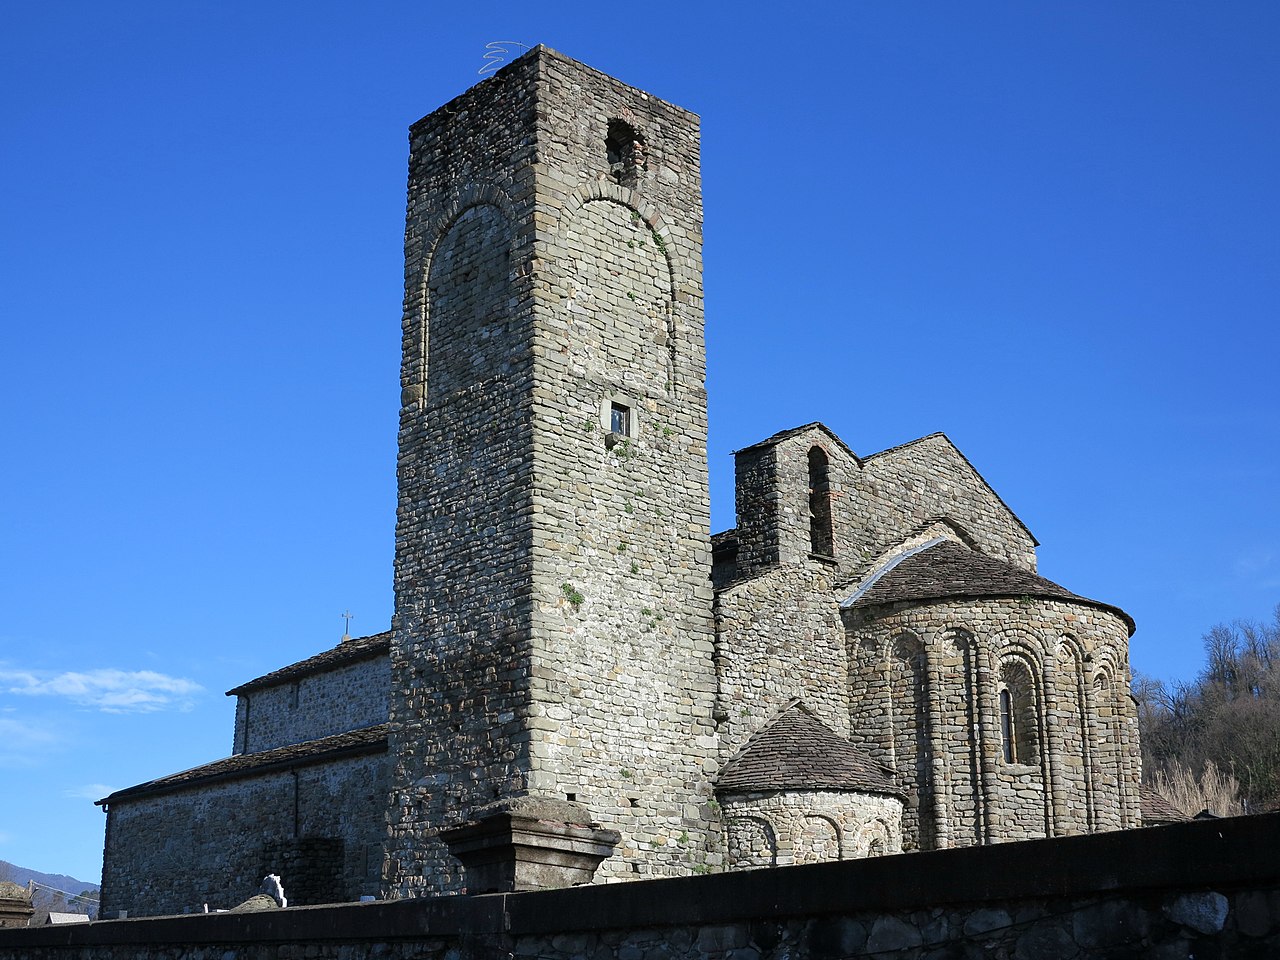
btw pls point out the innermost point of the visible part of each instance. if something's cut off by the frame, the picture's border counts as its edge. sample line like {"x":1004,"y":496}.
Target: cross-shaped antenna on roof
{"x":346,"y":631}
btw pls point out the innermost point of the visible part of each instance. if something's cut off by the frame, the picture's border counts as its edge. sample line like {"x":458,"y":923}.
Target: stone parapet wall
{"x":1194,"y":889}
{"x":315,"y":705}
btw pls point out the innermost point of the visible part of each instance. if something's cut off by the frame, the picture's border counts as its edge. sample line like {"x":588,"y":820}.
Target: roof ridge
{"x":343,"y":652}
{"x":776,"y":438}
{"x":969,"y":463}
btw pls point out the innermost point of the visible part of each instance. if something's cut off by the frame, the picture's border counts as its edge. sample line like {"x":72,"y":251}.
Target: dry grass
{"x":1214,"y":790}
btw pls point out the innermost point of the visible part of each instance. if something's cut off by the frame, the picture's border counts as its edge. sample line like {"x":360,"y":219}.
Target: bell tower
{"x":553,"y":631}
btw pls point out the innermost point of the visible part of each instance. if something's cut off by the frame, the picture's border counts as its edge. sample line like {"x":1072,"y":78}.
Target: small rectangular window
{"x":620,"y":419}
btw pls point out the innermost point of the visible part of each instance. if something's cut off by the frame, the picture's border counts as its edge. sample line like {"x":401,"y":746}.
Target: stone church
{"x":580,"y":683}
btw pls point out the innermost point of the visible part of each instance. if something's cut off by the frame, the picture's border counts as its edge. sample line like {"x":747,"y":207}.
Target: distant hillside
{"x":54,"y":891}
{"x":59,"y":881}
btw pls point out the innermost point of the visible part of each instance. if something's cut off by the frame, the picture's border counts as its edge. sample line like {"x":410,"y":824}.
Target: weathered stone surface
{"x":341,"y":689}
{"x":561,"y":630}
{"x":15,"y":905}
{"x":981,"y":921}
{"x":256,"y":903}
{"x":553,"y":631}
{"x":1073,"y":898}
{"x":529,"y":843}
{"x":836,"y":937}
{"x":1255,"y":914}
{"x":1203,"y":912}
{"x":891,"y":933}
{"x":1107,"y":924}
{"x":1044,"y":941}
{"x":213,"y":842}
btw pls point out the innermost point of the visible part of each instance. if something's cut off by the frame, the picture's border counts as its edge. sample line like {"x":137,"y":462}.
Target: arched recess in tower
{"x":468,"y":302}
{"x":620,"y":305}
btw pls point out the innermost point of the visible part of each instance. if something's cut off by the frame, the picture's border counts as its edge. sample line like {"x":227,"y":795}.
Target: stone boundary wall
{"x":1209,"y":888}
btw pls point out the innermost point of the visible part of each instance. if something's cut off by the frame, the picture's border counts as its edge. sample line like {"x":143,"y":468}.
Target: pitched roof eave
{"x":945,"y":570}
{"x":348,"y":651}
{"x":350,"y":743}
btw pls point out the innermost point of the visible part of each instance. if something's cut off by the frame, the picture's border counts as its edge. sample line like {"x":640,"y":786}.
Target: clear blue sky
{"x":1048,"y":229}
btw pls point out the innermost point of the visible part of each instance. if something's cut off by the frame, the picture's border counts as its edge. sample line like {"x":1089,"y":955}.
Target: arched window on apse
{"x":821,"y":539}
{"x":625,"y":153}
{"x":1019,"y":721}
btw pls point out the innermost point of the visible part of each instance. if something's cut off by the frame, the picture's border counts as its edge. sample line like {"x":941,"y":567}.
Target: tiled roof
{"x":1156,"y":809}
{"x":357,"y":648}
{"x":352,"y":743}
{"x":949,"y":570}
{"x":797,"y":751}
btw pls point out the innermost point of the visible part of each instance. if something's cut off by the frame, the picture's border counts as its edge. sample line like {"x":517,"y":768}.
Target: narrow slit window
{"x":1019,"y":715}
{"x":821,"y":537}
{"x":1006,"y":727}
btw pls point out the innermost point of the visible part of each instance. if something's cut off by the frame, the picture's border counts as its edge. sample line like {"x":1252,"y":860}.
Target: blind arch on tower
{"x":468,"y":302}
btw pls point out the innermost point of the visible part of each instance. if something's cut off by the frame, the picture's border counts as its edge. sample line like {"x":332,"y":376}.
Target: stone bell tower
{"x":553,"y":633}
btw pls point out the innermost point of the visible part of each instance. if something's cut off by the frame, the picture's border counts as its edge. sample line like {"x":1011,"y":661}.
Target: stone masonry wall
{"x":173,"y":852}
{"x":544,"y":566}
{"x":757,"y":502}
{"x":622,"y":653}
{"x":313,"y":706}
{"x":876,"y":504}
{"x":778,"y":638}
{"x":781,"y":828}
{"x":925,"y":685}
{"x":459,"y":655}
{"x":903,"y":488}
{"x":1188,"y":890}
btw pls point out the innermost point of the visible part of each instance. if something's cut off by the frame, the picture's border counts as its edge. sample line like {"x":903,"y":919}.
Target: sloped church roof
{"x":950,"y":570}
{"x":797,"y":751}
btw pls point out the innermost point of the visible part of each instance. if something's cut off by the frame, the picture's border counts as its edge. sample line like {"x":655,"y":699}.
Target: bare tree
{"x":1227,"y":719}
